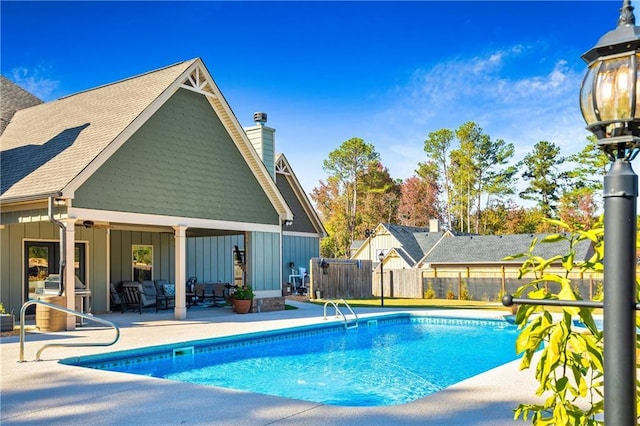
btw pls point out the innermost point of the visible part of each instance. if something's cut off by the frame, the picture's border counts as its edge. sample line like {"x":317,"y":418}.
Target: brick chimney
{"x":263,"y":140}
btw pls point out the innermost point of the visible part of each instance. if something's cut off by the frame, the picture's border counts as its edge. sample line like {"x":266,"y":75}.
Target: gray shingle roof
{"x":416,"y":242}
{"x":13,"y":98}
{"x":494,"y":248}
{"x":46,"y":146}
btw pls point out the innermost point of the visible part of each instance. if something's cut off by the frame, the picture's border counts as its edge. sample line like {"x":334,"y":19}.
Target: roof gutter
{"x":63,"y":243}
{"x":29,"y":198}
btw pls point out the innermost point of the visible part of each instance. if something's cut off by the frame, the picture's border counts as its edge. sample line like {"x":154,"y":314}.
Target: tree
{"x":330,"y":206}
{"x":379,"y":200}
{"x":346,"y":166}
{"x":418,"y":202}
{"x":541,"y":170}
{"x":437,"y":147}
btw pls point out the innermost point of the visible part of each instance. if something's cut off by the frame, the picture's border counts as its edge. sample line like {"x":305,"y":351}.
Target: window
{"x":142,"y":262}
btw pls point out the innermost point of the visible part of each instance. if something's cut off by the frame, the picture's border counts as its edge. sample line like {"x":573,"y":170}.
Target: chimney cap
{"x":260,"y":117}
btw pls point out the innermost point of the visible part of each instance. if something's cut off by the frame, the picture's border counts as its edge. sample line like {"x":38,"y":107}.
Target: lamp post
{"x":610,"y":104}
{"x":381,"y":258}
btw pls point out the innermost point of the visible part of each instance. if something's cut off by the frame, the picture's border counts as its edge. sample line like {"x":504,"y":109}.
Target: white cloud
{"x":33,"y":82}
{"x":510,"y":93}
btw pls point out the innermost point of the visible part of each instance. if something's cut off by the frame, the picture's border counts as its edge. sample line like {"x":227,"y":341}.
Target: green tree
{"x":437,"y":147}
{"x":545,"y":180}
{"x":346,"y":166}
{"x":379,"y":199}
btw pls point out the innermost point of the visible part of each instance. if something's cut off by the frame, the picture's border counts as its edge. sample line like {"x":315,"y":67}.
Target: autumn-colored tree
{"x":346,"y":166}
{"x":578,"y":209}
{"x":330,"y":207}
{"x":418,"y":202}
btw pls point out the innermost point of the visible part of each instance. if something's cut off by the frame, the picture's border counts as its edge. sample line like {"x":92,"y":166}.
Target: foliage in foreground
{"x":570,"y":366}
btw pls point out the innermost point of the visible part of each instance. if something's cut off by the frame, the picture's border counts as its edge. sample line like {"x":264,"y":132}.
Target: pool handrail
{"x":69,"y":311}
{"x":335,"y":305}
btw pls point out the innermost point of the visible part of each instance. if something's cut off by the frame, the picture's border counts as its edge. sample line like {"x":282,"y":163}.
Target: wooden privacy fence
{"x":340,"y":278}
{"x":415,"y":283}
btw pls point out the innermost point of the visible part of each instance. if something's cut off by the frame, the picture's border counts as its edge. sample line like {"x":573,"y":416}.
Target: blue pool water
{"x":383,"y":362}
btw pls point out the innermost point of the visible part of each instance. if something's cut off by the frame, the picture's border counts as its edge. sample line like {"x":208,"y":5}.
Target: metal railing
{"x":68,"y":311}
{"x":338,"y":312}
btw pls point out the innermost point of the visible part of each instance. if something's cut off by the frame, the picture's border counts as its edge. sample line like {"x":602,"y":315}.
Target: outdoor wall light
{"x":609,"y":101}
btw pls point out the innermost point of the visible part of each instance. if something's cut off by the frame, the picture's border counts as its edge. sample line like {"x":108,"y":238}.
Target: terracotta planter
{"x":242,"y":306}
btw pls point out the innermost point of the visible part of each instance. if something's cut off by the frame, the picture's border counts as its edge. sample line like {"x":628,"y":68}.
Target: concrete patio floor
{"x":48,"y":392}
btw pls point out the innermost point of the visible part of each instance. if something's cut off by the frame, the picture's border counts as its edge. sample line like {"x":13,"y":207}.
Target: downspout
{"x":63,"y":244}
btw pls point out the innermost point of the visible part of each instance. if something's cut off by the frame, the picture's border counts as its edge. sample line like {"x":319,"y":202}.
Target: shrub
{"x":450,"y":294}
{"x":430,"y":293}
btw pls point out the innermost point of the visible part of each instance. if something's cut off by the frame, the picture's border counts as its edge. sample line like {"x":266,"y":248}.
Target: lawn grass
{"x":422,"y":303}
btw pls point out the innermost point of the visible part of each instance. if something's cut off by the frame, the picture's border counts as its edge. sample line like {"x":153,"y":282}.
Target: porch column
{"x":180,"y":311}
{"x":69,"y":274}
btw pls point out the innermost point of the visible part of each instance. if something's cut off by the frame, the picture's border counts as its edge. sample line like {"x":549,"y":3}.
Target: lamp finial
{"x":626,"y":14}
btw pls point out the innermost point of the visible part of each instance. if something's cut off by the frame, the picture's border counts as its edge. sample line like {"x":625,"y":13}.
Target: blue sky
{"x":324,"y":72}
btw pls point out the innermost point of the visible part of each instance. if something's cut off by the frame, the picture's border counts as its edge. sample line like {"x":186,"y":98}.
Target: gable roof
{"x":14,"y":98}
{"x":284,"y":169}
{"x":52,"y":148}
{"x":469,"y":249}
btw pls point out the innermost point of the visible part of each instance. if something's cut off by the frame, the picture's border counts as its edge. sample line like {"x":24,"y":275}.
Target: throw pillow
{"x":169,"y":289}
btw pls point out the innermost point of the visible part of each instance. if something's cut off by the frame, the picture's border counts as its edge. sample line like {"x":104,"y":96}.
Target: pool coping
{"x":53,"y":393}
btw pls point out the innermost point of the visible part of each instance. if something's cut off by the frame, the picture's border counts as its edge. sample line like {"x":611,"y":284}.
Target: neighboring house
{"x":456,"y":256}
{"x":403,"y":247}
{"x":484,"y":255}
{"x":151,"y":176}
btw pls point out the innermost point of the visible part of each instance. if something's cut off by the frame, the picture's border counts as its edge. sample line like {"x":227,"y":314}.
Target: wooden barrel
{"x":48,"y":319}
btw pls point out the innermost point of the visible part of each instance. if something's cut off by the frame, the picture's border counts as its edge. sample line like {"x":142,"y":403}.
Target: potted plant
{"x":6,"y":319}
{"x":242,"y":299}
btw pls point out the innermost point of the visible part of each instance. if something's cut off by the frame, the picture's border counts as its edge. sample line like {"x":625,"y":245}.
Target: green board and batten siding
{"x":262,"y":272}
{"x":181,"y":162}
{"x":12,"y":238}
{"x":210,"y":259}
{"x":299,"y":249}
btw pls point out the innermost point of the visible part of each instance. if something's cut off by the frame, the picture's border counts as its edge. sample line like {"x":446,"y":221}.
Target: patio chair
{"x":138,"y":295}
{"x":165,"y":294}
{"x":219,"y":296}
{"x":116,"y":297}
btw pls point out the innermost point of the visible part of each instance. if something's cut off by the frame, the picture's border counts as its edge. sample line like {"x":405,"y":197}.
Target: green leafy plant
{"x":2,"y":309}
{"x":244,"y":293}
{"x":570,"y":365}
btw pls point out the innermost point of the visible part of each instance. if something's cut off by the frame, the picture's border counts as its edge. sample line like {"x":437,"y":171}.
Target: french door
{"x":42,"y":258}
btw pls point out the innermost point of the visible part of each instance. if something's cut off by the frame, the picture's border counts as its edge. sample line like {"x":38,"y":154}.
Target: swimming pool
{"x":385,"y":361}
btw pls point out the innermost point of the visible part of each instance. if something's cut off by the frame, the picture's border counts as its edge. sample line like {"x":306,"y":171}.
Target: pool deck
{"x":51,"y":393}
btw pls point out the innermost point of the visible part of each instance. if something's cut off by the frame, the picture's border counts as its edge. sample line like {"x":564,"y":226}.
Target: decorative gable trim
{"x":195,"y":77}
{"x":197,"y":82}
{"x":284,"y":168}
